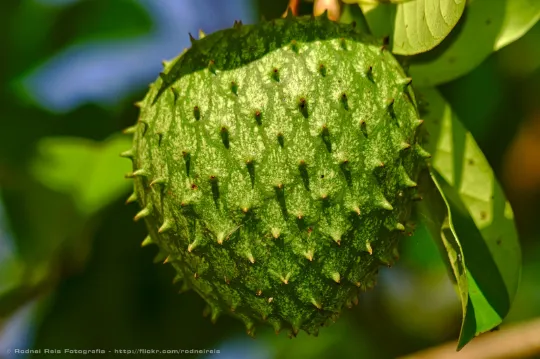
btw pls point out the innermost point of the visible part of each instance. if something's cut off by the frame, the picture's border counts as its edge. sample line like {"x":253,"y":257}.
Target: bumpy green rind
{"x":275,"y":166}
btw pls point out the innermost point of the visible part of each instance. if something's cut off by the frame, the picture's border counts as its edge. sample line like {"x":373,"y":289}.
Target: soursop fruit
{"x":275,"y":166}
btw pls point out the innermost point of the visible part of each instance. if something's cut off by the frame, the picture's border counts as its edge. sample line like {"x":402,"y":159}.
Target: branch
{"x":516,"y":341}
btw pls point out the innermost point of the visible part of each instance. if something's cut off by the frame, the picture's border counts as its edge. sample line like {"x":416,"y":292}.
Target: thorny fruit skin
{"x":275,"y":166}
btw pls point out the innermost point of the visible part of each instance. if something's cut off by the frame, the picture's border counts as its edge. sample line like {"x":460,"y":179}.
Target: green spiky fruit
{"x":275,"y":166}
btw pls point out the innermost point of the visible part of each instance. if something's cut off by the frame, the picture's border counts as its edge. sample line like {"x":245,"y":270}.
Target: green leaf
{"x":487,"y":26}
{"x":51,"y":211}
{"x":379,"y":18}
{"x":92,"y":173}
{"x":522,"y":58}
{"x":420,"y":25}
{"x":414,"y":26}
{"x":481,"y":216}
{"x":436,"y":215}
{"x":352,"y":13}
{"x":422,"y":254}
{"x":11,"y":272}
{"x":521,"y":15}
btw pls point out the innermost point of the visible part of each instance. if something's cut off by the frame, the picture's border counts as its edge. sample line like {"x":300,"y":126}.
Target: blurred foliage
{"x":80,"y":168}
{"x":77,"y":252}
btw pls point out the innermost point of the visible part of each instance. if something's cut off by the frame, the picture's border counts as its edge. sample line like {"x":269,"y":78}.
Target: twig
{"x":517,"y":341}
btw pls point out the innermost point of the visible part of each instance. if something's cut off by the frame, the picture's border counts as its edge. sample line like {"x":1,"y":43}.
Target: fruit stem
{"x":293,"y":6}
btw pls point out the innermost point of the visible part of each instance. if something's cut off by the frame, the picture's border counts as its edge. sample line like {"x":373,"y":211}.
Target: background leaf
{"x":94,"y":20}
{"x":91,"y":172}
{"x":522,"y":66}
{"x":435,"y":213}
{"x":51,"y":236}
{"x":486,"y":26}
{"x":52,"y":211}
{"x":420,"y":25}
{"x":520,"y":17}
{"x":380,"y":18}
{"x":481,"y":215}
{"x":350,"y":13}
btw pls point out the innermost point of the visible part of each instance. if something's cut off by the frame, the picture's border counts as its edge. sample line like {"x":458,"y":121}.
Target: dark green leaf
{"x":352,"y":13}
{"x":380,"y":18}
{"x":480,"y":214}
{"x":52,"y":213}
{"x":435,"y":213}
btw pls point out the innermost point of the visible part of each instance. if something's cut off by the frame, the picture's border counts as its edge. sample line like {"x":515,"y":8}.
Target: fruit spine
{"x":275,"y":167}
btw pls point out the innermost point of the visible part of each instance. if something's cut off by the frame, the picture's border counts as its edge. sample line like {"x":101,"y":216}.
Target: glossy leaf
{"x":487,"y":26}
{"x":92,"y":173}
{"x":420,"y":25}
{"x":480,"y":214}
{"x":413,"y":26}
